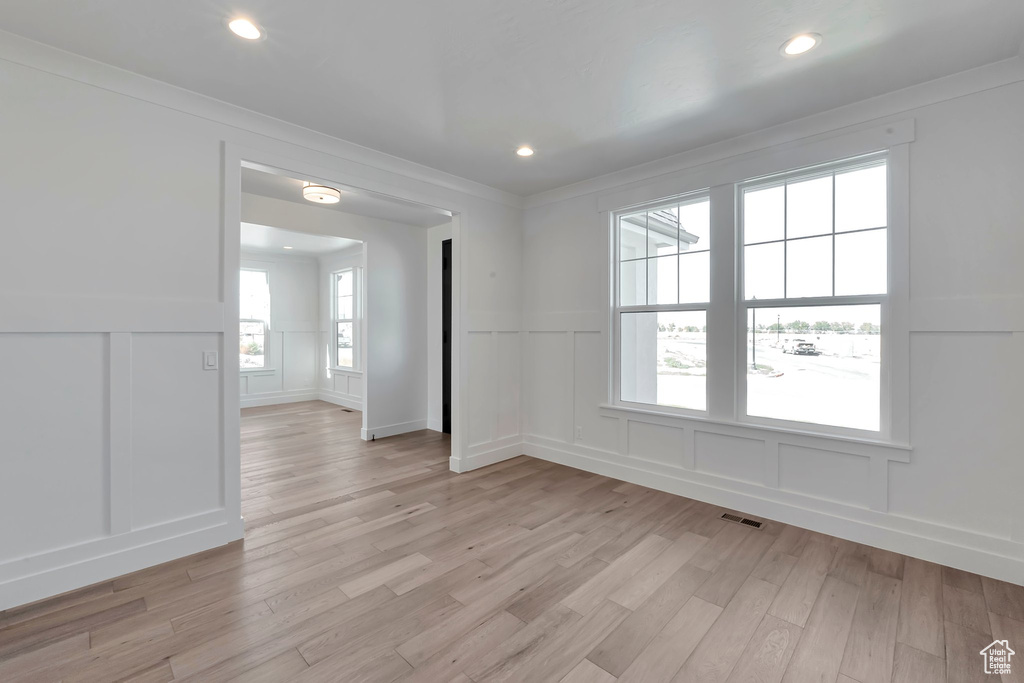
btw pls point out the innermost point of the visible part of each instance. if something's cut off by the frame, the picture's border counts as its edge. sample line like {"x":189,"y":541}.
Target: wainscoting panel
{"x":136,"y":420}
{"x":173,"y":475}
{"x":729,"y":456}
{"x":834,"y":485}
{"x":62,"y":449}
{"x":656,"y":443}
{"x":821,"y":474}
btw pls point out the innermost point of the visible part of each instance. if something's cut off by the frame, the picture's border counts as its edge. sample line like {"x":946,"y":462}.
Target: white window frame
{"x":266,"y":324}
{"x":744,"y":305}
{"x":355,"y":319}
{"x":618,"y":309}
{"x":725,"y":325}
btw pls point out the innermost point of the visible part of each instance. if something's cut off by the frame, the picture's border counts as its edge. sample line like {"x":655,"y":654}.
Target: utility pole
{"x":778,"y":329}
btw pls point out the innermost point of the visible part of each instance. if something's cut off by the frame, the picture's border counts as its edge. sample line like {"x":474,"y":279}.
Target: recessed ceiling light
{"x":287,"y":247}
{"x":243,"y":28}
{"x":525,"y":151}
{"x":321,"y":194}
{"x":797,"y":45}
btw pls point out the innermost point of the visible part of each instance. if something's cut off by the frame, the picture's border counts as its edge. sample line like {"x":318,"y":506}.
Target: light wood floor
{"x":372,"y":562}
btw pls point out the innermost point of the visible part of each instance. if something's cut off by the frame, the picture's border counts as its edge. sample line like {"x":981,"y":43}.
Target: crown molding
{"x":41,"y":57}
{"x":895,"y":103}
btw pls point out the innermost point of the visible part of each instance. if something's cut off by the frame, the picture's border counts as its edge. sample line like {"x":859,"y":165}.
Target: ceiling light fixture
{"x":286,"y":247}
{"x":243,"y":28}
{"x":525,"y":151}
{"x":321,"y":194}
{"x":797,"y":45}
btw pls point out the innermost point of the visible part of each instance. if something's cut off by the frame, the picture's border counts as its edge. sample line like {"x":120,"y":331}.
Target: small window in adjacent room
{"x":346,"y":312}
{"x":664,"y":285}
{"x":254,"y":318}
{"x":814,"y":290}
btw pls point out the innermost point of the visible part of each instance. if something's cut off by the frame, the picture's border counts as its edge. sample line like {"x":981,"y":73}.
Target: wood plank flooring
{"x":372,"y":562}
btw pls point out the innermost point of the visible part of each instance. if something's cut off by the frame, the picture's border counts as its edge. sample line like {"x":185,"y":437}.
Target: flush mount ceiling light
{"x":286,"y":247}
{"x":321,"y":194}
{"x":244,"y":28}
{"x":799,"y":44}
{"x":525,"y":151}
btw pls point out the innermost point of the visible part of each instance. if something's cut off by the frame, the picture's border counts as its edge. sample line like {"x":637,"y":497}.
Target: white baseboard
{"x":435,"y":425}
{"x":42,"y":576}
{"x":392,"y":430}
{"x":339,"y":399}
{"x":277,"y":397}
{"x":488,"y":453}
{"x":987,"y":555}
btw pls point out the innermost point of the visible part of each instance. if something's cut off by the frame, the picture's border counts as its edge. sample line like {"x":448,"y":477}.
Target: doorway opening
{"x":337,"y":300}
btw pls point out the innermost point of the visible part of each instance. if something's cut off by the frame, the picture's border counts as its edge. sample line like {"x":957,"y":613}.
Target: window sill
{"x":347,"y":371}
{"x":257,"y":371}
{"x":900,"y":451}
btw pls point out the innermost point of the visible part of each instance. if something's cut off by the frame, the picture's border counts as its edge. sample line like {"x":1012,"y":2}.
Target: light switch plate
{"x":209,"y":360}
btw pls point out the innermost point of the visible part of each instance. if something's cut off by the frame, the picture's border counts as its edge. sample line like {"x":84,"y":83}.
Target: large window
{"x":346,"y":311}
{"x":796,"y":333}
{"x":664,"y":286}
{"x":254,"y":318}
{"x":814,"y":287}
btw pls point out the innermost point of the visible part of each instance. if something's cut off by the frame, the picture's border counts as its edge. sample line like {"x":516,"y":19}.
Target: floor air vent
{"x":347,"y":410}
{"x":741,"y":520}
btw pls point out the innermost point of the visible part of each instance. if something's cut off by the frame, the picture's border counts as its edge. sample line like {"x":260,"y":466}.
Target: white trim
{"x":26,"y":580}
{"x":340,"y":399}
{"x":842,"y":120}
{"x":512,"y":448}
{"x":970,"y":551}
{"x":75,"y":313}
{"x":230,"y":377}
{"x":120,"y":415}
{"x":825,"y":441}
{"x":799,"y":154}
{"x":273,"y":398}
{"x":369,"y":433}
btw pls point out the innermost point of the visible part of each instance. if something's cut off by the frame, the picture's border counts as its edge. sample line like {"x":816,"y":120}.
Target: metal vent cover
{"x":729,"y":517}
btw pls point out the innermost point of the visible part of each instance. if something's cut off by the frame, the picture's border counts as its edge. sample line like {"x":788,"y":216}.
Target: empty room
{"x":581,"y":341}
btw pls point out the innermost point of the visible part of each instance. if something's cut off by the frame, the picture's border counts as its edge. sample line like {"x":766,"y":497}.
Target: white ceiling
{"x":594,"y":85}
{"x":359,"y":202}
{"x":263,"y":238}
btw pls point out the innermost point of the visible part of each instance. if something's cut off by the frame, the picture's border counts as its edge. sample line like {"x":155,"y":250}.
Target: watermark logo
{"x":997,"y":657}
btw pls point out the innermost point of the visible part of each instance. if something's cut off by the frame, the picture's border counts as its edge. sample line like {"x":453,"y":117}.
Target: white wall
{"x":435,"y":340}
{"x":343,"y":387}
{"x":957,"y":500}
{"x":290,"y":372}
{"x":119,"y":450}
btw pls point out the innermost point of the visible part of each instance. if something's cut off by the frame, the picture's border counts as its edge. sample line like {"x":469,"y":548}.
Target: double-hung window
{"x":346,"y":317}
{"x":814,"y":294}
{"x":662,"y":300}
{"x":802,"y":306}
{"x":254,"y":318}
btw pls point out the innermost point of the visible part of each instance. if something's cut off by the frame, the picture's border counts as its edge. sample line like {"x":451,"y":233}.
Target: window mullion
{"x":721,"y":317}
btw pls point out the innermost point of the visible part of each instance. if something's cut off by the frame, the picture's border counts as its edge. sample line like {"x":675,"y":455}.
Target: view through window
{"x":812,"y":271}
{"x":819,"y":239}
{"x":664,"y":290}
{"x":344,"y":318}
{"x":254,"y":318}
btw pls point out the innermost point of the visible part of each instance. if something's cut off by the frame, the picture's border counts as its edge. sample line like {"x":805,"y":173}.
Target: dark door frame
{"x":446,"y":332}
